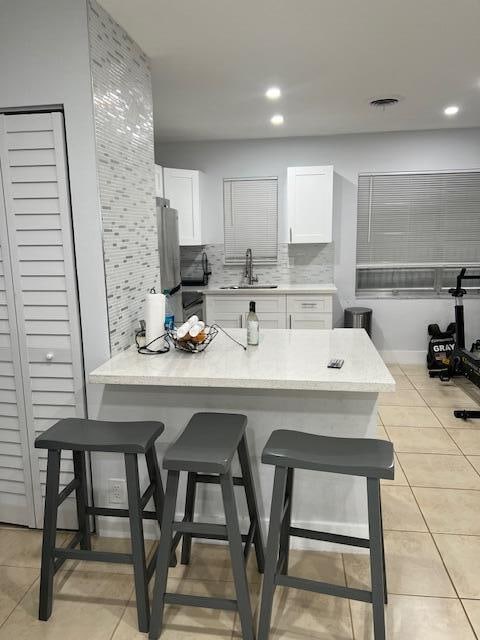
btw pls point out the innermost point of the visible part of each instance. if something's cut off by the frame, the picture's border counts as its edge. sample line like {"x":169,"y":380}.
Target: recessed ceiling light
{"x":277,"y":119}
{"x":273,"y":93}
{"x":451,"y":111}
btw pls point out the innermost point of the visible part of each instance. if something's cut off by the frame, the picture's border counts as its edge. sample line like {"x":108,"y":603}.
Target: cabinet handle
{"x":309,"y":304}
{"x":241,"y":321}
{"x":290,"y":321}
{"x":290,"y":234}
{"x":49,"y":356}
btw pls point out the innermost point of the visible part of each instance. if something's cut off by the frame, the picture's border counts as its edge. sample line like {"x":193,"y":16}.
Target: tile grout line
{"x":122,"y":613}
{"x":438,"y":549}
{"x":472,"y":465}
{"x":442,"y":559}
{"x":19,"y":602}
{"x":453,"y":584}
{"x":410,"y":487}
{"x":349,"y":600}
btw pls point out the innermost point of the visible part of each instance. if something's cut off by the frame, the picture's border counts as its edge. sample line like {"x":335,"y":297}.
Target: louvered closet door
{"x":33,"y":161}
{"x":16,"y":496}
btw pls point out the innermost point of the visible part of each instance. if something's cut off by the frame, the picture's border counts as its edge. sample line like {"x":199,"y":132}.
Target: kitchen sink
{"x":251,"y":286}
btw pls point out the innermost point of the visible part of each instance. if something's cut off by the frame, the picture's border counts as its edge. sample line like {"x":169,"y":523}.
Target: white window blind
{"x":250,"y":212}
{"x":418,"y":219}
{"x":415,"y":231}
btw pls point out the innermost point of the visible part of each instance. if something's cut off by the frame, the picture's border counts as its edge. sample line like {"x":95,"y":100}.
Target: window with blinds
{"x":414,"y":230}
{"x":250,"y":214}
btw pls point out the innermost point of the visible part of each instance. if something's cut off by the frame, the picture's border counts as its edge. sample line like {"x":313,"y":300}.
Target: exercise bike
{"x":463,"y":362}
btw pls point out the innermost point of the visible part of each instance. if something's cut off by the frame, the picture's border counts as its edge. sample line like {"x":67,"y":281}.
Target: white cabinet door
{"x":38,"y":221}
{"x":159,"y":181}
{"x":309,"y":303}
{"x":310,"y":321}
{"x":270,"y":320}
{"x":310,"y":204}
{"x":270,"y":309}
{"x":182,"y":188}
{"x":218,"y":309}
{"x":230,"y":320}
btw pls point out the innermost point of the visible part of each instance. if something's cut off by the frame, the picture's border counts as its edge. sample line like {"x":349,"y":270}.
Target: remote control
{"x":335,"y":364}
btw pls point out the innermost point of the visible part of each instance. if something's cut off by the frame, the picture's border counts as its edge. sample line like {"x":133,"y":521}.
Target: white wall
{"x":44,"y":60}
{"x":399,"y":325}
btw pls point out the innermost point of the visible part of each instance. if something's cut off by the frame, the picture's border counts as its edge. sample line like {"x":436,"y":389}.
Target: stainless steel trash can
{"x":358,"y":318}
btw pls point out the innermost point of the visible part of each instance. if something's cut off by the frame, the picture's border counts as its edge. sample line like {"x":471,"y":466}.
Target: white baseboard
{"x":404,"y":357}
{"x":119,"y":528}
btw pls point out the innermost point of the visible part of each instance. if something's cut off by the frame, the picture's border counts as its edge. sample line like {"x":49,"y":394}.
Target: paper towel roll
{"x":154,"y":318}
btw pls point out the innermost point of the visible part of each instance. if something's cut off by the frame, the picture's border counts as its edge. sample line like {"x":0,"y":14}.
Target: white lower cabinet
{"x":309,"y":321}
{"x":309,"y":311}
{"x":282,"y":311}
{"x":230,"y":320}
{"x":270,"y":320}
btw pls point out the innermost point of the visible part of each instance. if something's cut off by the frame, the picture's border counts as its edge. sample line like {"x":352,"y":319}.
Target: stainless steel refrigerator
{"x":169,"y":255}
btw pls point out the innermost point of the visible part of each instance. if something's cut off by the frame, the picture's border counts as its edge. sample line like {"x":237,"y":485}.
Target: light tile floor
{"x":432,"y":542}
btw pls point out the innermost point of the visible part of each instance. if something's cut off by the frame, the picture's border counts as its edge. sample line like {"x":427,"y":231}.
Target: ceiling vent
{"x":384,"y":102}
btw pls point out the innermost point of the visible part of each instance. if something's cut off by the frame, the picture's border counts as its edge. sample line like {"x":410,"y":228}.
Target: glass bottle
{"x":169,"y":314}
{"x":252,"y":326}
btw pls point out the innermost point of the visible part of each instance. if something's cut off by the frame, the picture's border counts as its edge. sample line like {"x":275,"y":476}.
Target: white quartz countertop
{"x":284,"y":359}
{"x":281,"y":289}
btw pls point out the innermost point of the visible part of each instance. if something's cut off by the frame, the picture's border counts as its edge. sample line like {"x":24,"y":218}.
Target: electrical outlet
{"x":117,"y":491}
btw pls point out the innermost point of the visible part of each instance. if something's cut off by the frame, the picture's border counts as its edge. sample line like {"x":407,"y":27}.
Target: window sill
{"x":409,"y":295}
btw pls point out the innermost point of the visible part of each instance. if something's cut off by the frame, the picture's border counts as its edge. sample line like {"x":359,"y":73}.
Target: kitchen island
{"x":282,"y":383}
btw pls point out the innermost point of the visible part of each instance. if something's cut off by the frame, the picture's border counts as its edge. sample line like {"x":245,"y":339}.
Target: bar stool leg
{"x":376,"y":557}
{"x":236,"y":556}
{"x":164,"y":554}
{"x":80,"y":472}
{"x":286,"y":524}
{"x":383,"y":551}
{"x":49,"y":535}
{"x":189,"y":513}
{"x":268,"y":590}
{"x":158,"y":494}
{"x":138,"y":546}
{"x":156,"y":479}
{"x":245,"y":465}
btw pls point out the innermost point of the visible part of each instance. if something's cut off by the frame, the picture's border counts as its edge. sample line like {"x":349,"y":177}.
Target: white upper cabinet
{"x":310,"y":204}
{"x":159,"y":181}
{"x":182,"y":188}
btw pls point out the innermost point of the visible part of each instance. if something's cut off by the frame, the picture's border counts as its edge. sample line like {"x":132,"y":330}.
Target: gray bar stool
{"x":79,"y":436}
{"x":205,"y":450}
{"x":289,"y":450}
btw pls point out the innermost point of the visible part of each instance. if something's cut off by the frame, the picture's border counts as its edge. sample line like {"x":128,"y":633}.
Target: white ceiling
{"x":213,"y":59}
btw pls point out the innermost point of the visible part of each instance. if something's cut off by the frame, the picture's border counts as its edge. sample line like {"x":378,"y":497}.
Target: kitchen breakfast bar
{"x":283,"y":383}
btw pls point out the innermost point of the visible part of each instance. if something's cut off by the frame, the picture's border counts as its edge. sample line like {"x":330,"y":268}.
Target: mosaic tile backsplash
{"x":297,"y":264}
{"x":124,"y":144}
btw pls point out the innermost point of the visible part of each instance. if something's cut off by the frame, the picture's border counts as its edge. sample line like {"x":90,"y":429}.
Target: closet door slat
{"x":16,"y":490}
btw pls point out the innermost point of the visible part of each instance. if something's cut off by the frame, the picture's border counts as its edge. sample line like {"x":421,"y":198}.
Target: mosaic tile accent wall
{"x":297,"y":264}
{"x":122,"y":96}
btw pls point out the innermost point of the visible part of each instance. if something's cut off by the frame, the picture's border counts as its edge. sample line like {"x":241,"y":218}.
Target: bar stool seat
{"x":205,"y":450}
{"x":291,"y":450}
{"x":207,"y":444}
{"x":78,"y":434}
{"x":350,"y":456}
{"x":82,"y":436}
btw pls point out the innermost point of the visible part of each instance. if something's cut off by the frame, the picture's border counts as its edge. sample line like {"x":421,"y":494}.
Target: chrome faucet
{"x":249,"y":267}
